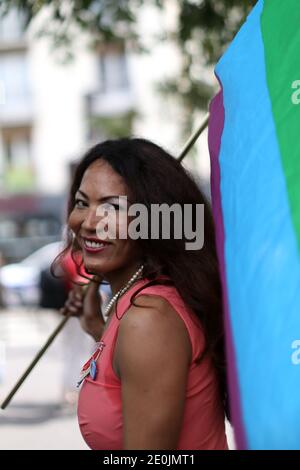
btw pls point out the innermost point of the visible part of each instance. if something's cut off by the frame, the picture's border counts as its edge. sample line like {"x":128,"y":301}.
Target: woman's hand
{"x":86,"y":305}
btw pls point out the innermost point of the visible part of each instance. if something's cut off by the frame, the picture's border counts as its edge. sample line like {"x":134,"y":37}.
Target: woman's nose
{"x":90,"y":220}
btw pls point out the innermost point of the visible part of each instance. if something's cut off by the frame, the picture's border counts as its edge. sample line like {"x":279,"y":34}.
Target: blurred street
{"x":37,"y":417}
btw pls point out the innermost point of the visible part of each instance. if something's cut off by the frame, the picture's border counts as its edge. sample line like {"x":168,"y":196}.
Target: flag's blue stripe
{"x":262,"y":260}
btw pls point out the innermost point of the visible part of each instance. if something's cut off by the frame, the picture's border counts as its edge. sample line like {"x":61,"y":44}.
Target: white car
{"x":19,"y":282}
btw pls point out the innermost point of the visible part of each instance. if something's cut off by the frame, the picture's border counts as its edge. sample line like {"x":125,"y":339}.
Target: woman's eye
{"x":107,"y":206}
{"x":80,"y":203}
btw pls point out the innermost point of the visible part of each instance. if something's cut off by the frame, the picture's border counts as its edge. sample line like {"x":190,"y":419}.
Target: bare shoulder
{"x":152,"y":311}
{"x":154,"y":305}
{"x":152,"y":322}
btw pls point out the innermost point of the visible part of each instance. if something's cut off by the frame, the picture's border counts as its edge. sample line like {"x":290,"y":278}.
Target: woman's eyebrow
{"x":101,"y":199}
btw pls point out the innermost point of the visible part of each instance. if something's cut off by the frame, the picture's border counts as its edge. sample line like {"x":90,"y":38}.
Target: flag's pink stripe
{"x":215,"y":130}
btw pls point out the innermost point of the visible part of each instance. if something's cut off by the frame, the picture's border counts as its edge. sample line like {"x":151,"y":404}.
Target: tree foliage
{"x":204,"y":29}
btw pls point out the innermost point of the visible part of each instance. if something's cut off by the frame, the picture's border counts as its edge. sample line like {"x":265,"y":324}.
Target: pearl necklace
{"x":121,"y":291}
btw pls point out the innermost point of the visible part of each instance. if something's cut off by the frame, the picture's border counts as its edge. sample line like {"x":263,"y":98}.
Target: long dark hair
{"x":153,"y":176}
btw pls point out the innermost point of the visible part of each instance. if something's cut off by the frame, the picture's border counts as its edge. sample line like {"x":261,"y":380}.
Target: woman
{"x":156,"y":380}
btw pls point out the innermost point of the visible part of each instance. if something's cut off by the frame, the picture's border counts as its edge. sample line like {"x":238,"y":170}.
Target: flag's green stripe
{"x":280,"y":23}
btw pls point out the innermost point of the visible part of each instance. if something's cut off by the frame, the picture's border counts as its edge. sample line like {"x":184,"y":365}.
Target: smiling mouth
{"x":93,"y":246}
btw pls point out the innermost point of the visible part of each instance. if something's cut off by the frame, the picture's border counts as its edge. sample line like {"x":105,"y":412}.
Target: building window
{"x":18,"y":152}
{"x":113,"y":70}
{"x":11,"y":27}
{"x":18,"y":170}
{"x":14,"y":78}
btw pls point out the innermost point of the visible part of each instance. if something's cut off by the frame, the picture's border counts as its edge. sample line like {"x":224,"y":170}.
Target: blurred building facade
{"x":51,"y":111}
{"x":16,"y":109}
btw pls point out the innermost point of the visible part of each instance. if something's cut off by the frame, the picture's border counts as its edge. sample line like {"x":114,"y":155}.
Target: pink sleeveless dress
{"x":100,"y":405}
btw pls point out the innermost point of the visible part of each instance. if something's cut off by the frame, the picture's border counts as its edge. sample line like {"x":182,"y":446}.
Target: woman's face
{"x":100,"y":188}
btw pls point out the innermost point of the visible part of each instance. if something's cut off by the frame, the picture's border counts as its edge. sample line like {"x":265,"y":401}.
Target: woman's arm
{"x":152,"y":356}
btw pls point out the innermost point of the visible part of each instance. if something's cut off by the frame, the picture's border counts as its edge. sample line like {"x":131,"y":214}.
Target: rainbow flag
{"x":254,"y":140}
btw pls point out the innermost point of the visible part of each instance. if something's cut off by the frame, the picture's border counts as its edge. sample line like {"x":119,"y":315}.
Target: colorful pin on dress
{"x":93,"y":369}
{"x":90,"y":367}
